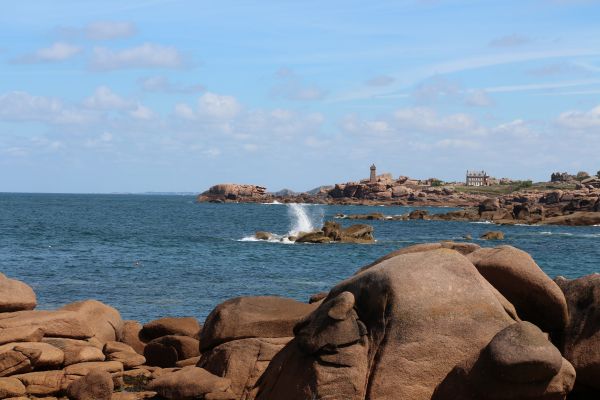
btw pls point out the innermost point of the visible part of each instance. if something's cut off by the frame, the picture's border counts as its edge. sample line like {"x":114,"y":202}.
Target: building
{"x":477,"y":178}
{"x":373,"y":176}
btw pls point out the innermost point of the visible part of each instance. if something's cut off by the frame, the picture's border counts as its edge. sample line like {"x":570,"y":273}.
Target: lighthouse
{"x":373,"y":176}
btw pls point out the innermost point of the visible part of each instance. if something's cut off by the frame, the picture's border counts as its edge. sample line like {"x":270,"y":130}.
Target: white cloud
{"x":162,"y":84}
{"x":22,"y":106}
{"x":105,"y":30}
{"x":147,"y":55}
{"x":141,"y":112}
{"x":435,"y":89}
{"x":184,"y":111}
{"x":105,"y":99}
{"x":580,"y":120}
{"x":213,"y":105}
{"x":58,"y":51}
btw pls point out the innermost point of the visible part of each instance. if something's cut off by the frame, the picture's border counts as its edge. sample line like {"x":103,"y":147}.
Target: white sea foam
{"x":301,"y":222}
{"x":482,"y":222}
{"x":274,"y":202}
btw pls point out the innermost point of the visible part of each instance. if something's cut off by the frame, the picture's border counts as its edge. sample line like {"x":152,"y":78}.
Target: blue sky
{"x":139,"y":96}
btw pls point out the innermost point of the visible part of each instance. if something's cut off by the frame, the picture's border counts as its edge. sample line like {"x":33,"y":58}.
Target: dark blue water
{"x":152,"y":256}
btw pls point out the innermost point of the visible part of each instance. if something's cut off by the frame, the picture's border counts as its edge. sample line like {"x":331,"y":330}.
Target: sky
{"x":136,"y":96}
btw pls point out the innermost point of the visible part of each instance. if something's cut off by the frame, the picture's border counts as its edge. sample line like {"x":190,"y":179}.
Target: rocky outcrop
{"x":233,"y":192}
{"x":396,"y":331}
{"x":332,"y":232}
{"x":434,"y":321}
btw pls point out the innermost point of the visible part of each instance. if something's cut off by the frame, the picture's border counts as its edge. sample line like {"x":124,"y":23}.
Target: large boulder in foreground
{"x":392,"y":332}
{"x":516,"y":275}
{"x":581,"y":339}
{"x":66,"y":324}
{"x":247,"y":317}
{"x":165,"y":351}
{"x":401,"y":330}
{"x":15,"y":295}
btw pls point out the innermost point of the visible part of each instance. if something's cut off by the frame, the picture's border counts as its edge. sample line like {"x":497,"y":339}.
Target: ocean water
{"x":152,"y":256}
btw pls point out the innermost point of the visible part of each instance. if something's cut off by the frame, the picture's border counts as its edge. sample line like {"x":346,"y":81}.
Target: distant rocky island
{"x":564,"y":200}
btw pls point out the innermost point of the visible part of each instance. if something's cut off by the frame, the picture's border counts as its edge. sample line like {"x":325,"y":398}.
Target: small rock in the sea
{"x":493,"y":235}
{"x":468,"y":237}
{"x":261,"y":235}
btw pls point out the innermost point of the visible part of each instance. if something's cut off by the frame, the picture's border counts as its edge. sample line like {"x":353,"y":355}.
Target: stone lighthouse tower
{"x":373,"y":177}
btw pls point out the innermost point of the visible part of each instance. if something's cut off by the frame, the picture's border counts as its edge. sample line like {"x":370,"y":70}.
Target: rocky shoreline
{"x":580,"y":207}
{"x":434,"y":321}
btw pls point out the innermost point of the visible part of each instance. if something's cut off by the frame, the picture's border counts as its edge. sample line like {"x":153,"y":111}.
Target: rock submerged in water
{"x":332,"y":232}
{"x":493,"y":235}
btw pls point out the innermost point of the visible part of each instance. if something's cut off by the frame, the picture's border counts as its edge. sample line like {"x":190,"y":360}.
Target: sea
{"x":152,"y":256}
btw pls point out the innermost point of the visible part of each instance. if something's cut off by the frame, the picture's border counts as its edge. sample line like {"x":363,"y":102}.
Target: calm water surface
{"x":152,"y":256}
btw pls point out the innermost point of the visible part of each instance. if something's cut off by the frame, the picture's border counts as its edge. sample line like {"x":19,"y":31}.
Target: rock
{"x":313,"y":237}
{"x":15,"y":362}
{"x":243,"y":362}
{"x":463,"y":248}
{"x":183,"y":326}
{"x":516,"y":275}
{"x":418,"y":214}
{"x":15,"y":295}
{"x":360,"y":233}
{"x":493,"y":235}
{"x":581,"y":339}
{"x":261,"y":235}
{"x":317,"y":297}
{"x":187,"y":362}
{"x":113,"y":347}
{"x":246,"y":317}
{"x":24,"y":334}
{"x":160,"y":355}
{"x":491,"y":204}
{"x":393,"y":331}
{"x":50,"y":357}
{"x":521,"y":353}
{"x":131,"y":336}
{"x":96,"y":385}
{"x":105,"y":321}
{"x":11,"y":387}
{"x":128,"y":359}
{"x":67,"y":324}
{"x":76,"y":351}
{"x":76,"y":371}
{"x":43,"y":383}
{"x":146,"y":394}
{"x":66,"y":342}
{"x":332,"y":230}
{"x":188,"y":383}
{"x":158,"y":352}
{"x":233,"y":192}
{"x":580,"y":218}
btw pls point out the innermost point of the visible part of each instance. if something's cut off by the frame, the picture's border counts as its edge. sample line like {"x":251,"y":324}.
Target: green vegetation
{"x":436,"y":183}
{"x":598,"y":174}
{"x":515,"y":186}
{"x":581,"y":175}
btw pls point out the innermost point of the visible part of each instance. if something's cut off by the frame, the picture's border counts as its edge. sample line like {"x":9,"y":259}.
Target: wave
{"x":282,"y":239}
{"x":274,"y":202}
{"x":482,"y":222}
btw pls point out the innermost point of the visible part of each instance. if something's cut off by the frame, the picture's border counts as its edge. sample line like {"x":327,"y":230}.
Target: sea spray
{"x":301,"y":221}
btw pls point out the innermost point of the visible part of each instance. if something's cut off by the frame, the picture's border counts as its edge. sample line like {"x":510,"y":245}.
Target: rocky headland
{"x":576,"y":206}
{"x":434,"y":321}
